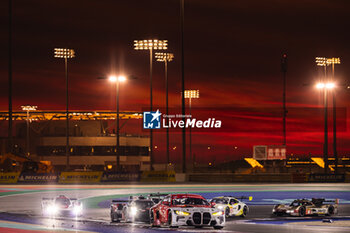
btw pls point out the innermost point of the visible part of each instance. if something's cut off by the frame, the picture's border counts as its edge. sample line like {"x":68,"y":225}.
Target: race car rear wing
{"x":245,"y":198}
{"x":323,"y":200}
{"x":120,"y":201}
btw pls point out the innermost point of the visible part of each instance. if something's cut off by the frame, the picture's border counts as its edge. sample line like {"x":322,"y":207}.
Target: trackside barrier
{"x":79,"y":177}
{"x":299,"y":177}
{"x":326,"y":178}
{"x":158,"y":176}
{"x":120,"y":176}
{"x":38,"y":178}
{"x":239,"y":178}
{"x":8,"y":177}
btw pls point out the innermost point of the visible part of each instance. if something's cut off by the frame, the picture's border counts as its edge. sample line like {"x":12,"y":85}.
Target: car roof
{"x":186,"y":195}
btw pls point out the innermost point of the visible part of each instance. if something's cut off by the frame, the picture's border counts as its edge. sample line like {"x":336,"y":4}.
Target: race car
{"x":61,"y":206}
{"x":304,"y":207}
{"x":186,"y":210}
{"x":231,"y":205}
{"x":156,"y":197}
{"x":135,"y":209}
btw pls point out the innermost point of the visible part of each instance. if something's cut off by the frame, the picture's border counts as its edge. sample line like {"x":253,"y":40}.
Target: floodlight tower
{"x":151,"y":45}
{"x":28,"y":108}
{"x":66,"y":54}
{"x":117,"y":81}
{"x":332,"y":61}
{"x":166,"y":57}
{"x":322,"y":61}
{"x":191,"y":94}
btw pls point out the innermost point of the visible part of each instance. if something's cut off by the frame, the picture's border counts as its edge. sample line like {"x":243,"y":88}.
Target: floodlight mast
{"x":166,"y":57}
{"x":151,"y":45}
{"x":28,"y":108}
{"x":66,"y":54}
{"x":191,"y":94}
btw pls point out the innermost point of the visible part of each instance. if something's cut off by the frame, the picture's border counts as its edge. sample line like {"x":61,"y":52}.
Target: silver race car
{"x":61,"y":206}
{"x":233,"y":206}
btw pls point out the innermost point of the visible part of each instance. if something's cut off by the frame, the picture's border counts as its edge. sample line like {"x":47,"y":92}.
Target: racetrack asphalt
{"x":22,"y":203}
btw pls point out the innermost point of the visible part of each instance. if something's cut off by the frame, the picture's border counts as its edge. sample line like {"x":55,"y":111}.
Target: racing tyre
{"x":331,"y":210}
{"x":227,"y":212}
{"x":302,"y":211}
{"x":151,"y":217}
{"x":218,"y":227}
{"x":244,"y":212}
{"x":170,"y":220}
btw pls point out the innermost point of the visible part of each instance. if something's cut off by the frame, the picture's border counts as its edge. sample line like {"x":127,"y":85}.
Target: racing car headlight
{"x":133,"y":211}
{"x":77,"y":210}
{"x":182,"y":213}
{"x":51,"y":209}
{"x":218,"y":213}
{"x":220,"y":207}
{"x":289,"y":211}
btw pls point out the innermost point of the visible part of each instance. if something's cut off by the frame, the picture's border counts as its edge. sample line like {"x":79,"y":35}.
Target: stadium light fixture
{"x":66,"y":54}
{"x":152,"y":44}
{"x":166,"y":57}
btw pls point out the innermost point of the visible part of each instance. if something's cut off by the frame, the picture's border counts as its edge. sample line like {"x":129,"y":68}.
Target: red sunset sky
{"x":232,"y":55}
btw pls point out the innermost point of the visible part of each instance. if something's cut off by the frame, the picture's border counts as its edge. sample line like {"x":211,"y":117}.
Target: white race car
{"x":231,"y":205}
{"x":61,"y":206}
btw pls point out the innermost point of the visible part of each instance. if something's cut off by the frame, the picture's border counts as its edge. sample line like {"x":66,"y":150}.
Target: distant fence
{"x":86,"y":177}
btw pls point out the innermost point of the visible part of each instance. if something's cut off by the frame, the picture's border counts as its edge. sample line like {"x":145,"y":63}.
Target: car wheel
{"x":218,"y":227}
{"x":170,"y":220}
{"x":227,"y":212}
{"x":302,"y":211}
{"x":331,"y":210}
{"x":151,"y":217}
{"x":244,"y":212}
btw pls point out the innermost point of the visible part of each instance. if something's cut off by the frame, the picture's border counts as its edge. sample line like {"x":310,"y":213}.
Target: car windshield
{"x":190,"y":201}
{"x":62,"y":201}
{"x":144,"y":204}
{"x":295,"y":203}
{"x":219,"y":201}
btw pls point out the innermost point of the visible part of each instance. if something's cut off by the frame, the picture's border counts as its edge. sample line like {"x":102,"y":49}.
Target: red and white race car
{"x":61,"y":205}
{"x":186,"y":210}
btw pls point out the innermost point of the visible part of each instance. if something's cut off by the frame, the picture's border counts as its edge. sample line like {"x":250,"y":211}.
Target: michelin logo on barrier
{"x":151,"y":120}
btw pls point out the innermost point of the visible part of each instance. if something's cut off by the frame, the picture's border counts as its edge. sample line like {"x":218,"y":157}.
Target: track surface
{"x":21,"y":203}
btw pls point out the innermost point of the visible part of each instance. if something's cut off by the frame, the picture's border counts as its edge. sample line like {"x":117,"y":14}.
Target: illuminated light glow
{"x":330,"y":85}
{"x":162,"y":57}
{"x":133,"y":210}
{"x":323,"y":61}
{"x":218,"y":213}
{"x":150,"y":44}
{"x":191,"y":94}
{"x":325,"y":85}
{"x":114,"y":78}
{"x":64,"y":53}
{"x":320,"y":85}
{"x":29,"y":108}
{"x":182,"y":213}
{"x":51,"y":209}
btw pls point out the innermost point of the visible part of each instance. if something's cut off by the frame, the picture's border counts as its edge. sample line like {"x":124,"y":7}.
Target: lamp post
{"x":332,"y":61}
{"x":117,"y":80}
{"x":66,"y":54}
{"x":284,"y":71}
{"x":151,"y":45}
{"x":28,"y":108}
{"x":191,"y":94}
{"x":166,"y":57}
